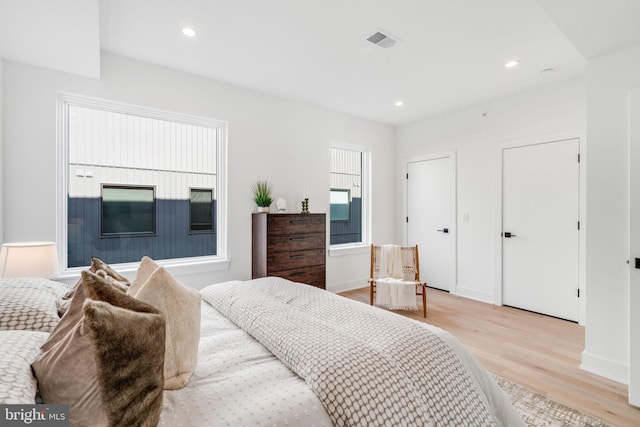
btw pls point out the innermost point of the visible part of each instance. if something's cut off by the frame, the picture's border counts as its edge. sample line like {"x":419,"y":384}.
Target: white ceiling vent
{"x":382,"y":39}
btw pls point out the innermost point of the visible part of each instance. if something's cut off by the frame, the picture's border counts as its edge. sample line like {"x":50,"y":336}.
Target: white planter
{"x":263,"y":209}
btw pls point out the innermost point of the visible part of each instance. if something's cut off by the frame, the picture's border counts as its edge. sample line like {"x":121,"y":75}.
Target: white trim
{"x":454,"y":227}
{"x":606,"y":368}
{"x":474,"y":294}
{"x":178,"y":265}
{"x":347,"y":286}
{"x":349,"y":249}
{"x":366,"y":192}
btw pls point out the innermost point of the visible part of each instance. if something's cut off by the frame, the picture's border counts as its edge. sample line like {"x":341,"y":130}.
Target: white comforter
{"x":239,"y":382}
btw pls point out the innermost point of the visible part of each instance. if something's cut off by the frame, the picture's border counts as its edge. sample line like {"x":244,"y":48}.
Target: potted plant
{"x":262,"y":195}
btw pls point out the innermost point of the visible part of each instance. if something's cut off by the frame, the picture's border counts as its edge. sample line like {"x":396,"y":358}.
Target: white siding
{"x":114,"y":148}
{"x":105,"y":138}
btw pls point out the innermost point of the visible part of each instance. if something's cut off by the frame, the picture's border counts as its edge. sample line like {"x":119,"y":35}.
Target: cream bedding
{"x":238,"y":382}
{"x":367,"y":366}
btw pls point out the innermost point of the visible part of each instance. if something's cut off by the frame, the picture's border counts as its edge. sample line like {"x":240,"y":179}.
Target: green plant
{"x":262,"y":194}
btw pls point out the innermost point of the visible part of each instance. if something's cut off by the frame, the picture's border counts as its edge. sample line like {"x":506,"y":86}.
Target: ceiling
{"x":451,"y":53}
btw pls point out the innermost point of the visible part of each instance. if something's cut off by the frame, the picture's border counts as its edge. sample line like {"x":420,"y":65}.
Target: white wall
{"x":609,"y":78}
{"x":282,"y":141}
{"x":478,"y":134}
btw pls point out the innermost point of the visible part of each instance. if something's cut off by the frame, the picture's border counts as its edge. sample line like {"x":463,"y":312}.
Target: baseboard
{"x":347,"y":286}
{"x":473,"y":294}
{"x":610,"y":369}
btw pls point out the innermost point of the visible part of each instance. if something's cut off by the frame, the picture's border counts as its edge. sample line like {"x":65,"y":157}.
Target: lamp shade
{"x":29,"y":259}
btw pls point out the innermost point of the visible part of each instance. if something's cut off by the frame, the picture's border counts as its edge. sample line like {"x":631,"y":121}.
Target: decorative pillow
{"x":18,"y":349}
{"x":109,"y":367}
{"x":145,"y":270}
{"x":74,"y":313}
{"x":30,"y":303}
{"x":97,"y":266}
{"x":181,"y":307}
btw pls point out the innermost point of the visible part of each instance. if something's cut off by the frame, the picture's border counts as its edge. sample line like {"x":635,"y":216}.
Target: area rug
{"x":539,"y":411}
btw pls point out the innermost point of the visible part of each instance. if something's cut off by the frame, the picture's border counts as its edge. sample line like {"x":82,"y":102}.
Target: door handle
{"x":508,"y":235}
{"x":444,"y":230}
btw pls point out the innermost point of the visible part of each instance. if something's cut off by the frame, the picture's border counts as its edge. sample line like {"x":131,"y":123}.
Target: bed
{"x":270,"y":352}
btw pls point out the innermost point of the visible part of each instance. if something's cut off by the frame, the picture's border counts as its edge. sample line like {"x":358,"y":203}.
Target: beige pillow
{"x":109,"y":366}
{"x":145,"y":270}
{"x":181,"y":307}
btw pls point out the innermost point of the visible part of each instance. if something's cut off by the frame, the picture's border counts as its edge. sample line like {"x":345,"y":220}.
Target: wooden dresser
{"x":289,"y":245}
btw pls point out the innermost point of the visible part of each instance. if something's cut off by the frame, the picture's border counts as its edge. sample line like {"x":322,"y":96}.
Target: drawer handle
{"x":296,"y":222}
{"x":297,"y":239}
{"x":297,"y":256}
{"x":297,"y":273}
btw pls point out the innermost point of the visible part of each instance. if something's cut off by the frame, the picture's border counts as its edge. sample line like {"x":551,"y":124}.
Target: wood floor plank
{"x":539,"y":352}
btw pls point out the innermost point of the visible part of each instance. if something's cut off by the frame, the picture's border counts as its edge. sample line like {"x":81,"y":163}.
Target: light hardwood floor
{"x":538,"y":352}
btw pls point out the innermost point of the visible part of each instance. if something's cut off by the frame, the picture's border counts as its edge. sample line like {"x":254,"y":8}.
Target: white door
{"x":431,"y":219}
{"x":540,"y":228}
{"x":634,"y":249}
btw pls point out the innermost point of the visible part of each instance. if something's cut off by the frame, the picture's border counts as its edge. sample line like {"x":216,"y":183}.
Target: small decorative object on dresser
{"x":305,"y":206}
{"x":281,"y":204}
{"x":291,"y":246}
{"x":262,"y":195}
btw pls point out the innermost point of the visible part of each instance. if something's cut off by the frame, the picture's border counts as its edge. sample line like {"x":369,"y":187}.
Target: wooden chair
{"x":410,"y":269}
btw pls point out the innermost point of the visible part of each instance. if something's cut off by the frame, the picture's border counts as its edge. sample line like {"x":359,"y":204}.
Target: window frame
{"x":213,"y":212}
{"x":366,"y":192}
{"x":104,"y":235}
{"x":188,"y":265}
{"x":341,"y":190}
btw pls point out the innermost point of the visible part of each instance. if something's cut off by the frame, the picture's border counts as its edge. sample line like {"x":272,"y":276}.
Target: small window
{"x":128,"y":210}
{"x":349,"y":189}
{"x":201,"y":210}
{"x":340,"y":206}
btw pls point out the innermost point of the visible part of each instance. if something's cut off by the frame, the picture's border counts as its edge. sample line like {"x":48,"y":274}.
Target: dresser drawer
{"x":295,"y":242}
{"x":314,"y":275}
{"x":295,"y":223}
{"x":295,"y":259}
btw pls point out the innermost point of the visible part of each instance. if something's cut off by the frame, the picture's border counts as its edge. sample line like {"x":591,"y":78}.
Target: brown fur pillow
{"x":99,"y":267}
{"x":110,"y":366}
{"x":74,"y":314}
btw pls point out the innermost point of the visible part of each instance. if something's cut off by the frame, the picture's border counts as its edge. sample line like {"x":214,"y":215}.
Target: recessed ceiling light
{"x":512,"y":63}
{"x":399,"y":103}
{"x":189,"y":32}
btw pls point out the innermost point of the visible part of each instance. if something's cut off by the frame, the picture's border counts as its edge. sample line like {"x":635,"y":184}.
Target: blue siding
{"x":348,"y":231}
{"x":172,"y":238}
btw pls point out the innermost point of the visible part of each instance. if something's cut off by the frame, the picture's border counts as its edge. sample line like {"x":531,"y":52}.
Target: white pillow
{"x":18,"y":349}
{"x":30,"y":304}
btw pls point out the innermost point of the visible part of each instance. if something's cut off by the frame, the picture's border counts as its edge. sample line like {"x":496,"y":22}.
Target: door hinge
{"x":407,"y":219}
{"x":578,"y":158}
{"x":407,"y":176}
{"x":578,"y":225}
{"x":578,"y":292}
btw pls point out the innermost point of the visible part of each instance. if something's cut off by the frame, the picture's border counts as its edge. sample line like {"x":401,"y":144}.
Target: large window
{"x":139,"y":182}
{"x":348,"y":194}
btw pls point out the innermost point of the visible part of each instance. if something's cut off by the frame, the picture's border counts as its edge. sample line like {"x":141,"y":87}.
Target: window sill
{"x":176,"y":267}
{"x":349,"y":249}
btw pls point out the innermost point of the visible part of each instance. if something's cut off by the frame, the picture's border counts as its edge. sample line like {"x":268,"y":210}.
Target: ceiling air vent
{"x":382,"y":39}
